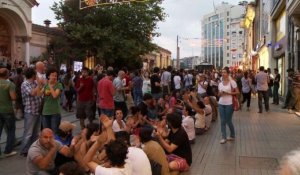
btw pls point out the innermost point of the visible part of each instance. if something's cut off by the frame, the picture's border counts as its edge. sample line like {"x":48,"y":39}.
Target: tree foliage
{"x":117,"y":34}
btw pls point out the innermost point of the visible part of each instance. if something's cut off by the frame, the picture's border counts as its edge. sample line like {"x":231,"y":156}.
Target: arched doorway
{"x":14,"y":36}
{"x":5,"y":42}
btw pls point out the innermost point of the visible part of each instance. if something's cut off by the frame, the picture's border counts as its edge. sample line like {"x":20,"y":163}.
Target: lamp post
{"x":178,"y":50}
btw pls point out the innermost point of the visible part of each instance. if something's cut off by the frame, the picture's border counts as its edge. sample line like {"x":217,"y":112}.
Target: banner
{"x":92,"y":3}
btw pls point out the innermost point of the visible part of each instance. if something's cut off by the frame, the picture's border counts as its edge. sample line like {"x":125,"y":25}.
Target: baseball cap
{"x":66,"y":126}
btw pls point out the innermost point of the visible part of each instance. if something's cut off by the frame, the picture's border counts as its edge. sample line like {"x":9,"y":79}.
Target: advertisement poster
{"x":77,"y":66}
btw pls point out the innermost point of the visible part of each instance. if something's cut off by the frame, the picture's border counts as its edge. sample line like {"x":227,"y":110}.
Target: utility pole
{"x":177,"y":57}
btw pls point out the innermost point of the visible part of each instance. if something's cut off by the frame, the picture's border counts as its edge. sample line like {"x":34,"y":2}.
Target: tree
{"x":117,"y":34}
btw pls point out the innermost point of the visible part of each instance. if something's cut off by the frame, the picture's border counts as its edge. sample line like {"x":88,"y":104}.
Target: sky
{"x":184,"y":19}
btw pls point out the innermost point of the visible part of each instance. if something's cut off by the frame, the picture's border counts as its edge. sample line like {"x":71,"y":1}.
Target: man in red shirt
{"x":106,"y":91}
{"x":85,"y":97}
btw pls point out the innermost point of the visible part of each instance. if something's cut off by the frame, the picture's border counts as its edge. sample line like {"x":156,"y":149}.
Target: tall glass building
{"x":222,"y":37}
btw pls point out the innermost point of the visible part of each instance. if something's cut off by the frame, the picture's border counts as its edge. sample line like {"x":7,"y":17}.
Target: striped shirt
{"x":32,"y":104}
{"x":296,"y":80}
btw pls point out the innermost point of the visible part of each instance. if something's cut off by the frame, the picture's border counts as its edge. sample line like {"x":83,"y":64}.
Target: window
{"x":227,"y":26}
{"x":227,"y":47}
{"x":228,"y":56}
{"x":227,"y":61}
{"x":227,"y":33}
{"x":240,"y":32}
{"x":227,"y":19}
{"x":227,"y":13}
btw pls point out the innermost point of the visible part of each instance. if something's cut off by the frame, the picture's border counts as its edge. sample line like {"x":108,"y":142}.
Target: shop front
{"x":263,"y":57}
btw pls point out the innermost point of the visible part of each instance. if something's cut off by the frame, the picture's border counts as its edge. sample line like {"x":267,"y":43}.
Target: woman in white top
{"x":246,"y":89}
{"x":227,"y":88}
{"x":146,"y":88}
{"x":198,"y":107}
{"x":119,"y":124}
{"x":188,"y":123}
{"x":202,"y":87}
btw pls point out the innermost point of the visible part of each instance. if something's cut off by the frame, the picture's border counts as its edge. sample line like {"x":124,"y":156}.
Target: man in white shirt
{"x":166,"y":80}
{"x":262,"y":80}
{"x":177,"y":81}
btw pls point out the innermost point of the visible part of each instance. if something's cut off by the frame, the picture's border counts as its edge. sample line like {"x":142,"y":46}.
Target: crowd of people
{"x":151,"y":135}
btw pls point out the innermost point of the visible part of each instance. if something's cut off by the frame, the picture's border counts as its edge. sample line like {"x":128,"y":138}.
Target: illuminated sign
{"x":92,"y":3}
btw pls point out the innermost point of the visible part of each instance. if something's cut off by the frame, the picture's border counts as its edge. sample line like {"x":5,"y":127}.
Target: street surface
{"x":261,"y":141}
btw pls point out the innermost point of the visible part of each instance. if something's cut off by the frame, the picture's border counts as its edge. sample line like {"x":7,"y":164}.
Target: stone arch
{"x":19,"y":34}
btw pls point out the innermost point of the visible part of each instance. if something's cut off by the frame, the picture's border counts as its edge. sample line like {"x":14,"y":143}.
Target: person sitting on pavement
{"x":119,"y":124}
{"x":71,"y":168}
{"x":176,"y":144}
{"x":115,"y":151}
{"x":64,"y":136}
{"x":208,"y":112}
{"x":188,"y":123}
{"x":153,"y":150}
{"x":42,"y":153}
{"x":140,"y":161}
{"x":290,"y":164}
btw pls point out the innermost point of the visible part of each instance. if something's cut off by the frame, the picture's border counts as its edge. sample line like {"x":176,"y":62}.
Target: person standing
{"x":146,"y":84}
{"x":262,"y":81}
{"x":166,"y":80}
{"x":51,"y":110}
{"x":106,"y":91}
{"x":227,"y":88}
{"x":18,"y":80}
{"x":188,"y":80}
{"x":69,"y":89}
{"x":120,"y":96}
{"x":177,"y":81}
{"x":7,"y":117}
{"x":85,"y":97}
{"x":270,"y":83}
{"x":32,"y":101}
{"x":155,"y":84}
{"x":246,"y":90}
{"x":288,"y":97}
{"x":137,"y":85}
{"x":276,"y":87}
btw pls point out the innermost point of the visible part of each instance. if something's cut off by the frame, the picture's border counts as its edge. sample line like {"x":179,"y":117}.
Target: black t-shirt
{"x":277,"y":80}
{"x":181,"y":139}
{"x":155,"y":89}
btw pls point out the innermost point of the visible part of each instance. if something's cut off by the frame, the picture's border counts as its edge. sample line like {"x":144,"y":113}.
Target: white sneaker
{"x":222,"y":141}
{"x":290,"y":111}
{"x":230,"y":139}
{"x":10,"y":154}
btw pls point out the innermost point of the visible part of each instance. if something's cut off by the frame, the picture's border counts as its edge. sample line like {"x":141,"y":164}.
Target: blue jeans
{"x":51,"y":121}
{"x":8,"y":120}
{"x":226,"y":112}
{"x":137,"y":97}
{"x":32,"y":127}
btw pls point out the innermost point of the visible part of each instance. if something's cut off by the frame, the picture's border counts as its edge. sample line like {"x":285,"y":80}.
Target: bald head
{"x":46,"y":131}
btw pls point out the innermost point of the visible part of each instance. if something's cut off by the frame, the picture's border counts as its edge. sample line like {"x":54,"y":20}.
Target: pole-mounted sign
{"x":92,"y":3}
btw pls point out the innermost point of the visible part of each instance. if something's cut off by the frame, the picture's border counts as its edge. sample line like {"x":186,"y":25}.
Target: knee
{"x":173,"y":166}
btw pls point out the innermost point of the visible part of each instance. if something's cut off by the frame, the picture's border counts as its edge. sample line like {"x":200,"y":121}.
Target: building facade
{"x":189,"y":62}
{"x":222,"y":37}
{"x":160,"y":57}
{"x":15,"y":30}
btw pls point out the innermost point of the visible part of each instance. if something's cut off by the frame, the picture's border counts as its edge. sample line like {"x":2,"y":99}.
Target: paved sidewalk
{"x":261,"y":141}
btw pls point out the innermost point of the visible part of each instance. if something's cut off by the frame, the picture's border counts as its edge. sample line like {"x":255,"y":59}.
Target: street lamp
{"x":178,"y":49}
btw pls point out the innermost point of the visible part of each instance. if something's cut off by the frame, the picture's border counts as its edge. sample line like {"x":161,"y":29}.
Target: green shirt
{"x":6,"y":105}
{"x":51,"y":105}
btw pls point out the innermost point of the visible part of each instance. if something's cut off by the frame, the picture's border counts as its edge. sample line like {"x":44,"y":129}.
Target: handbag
{"x":235,"y":101}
